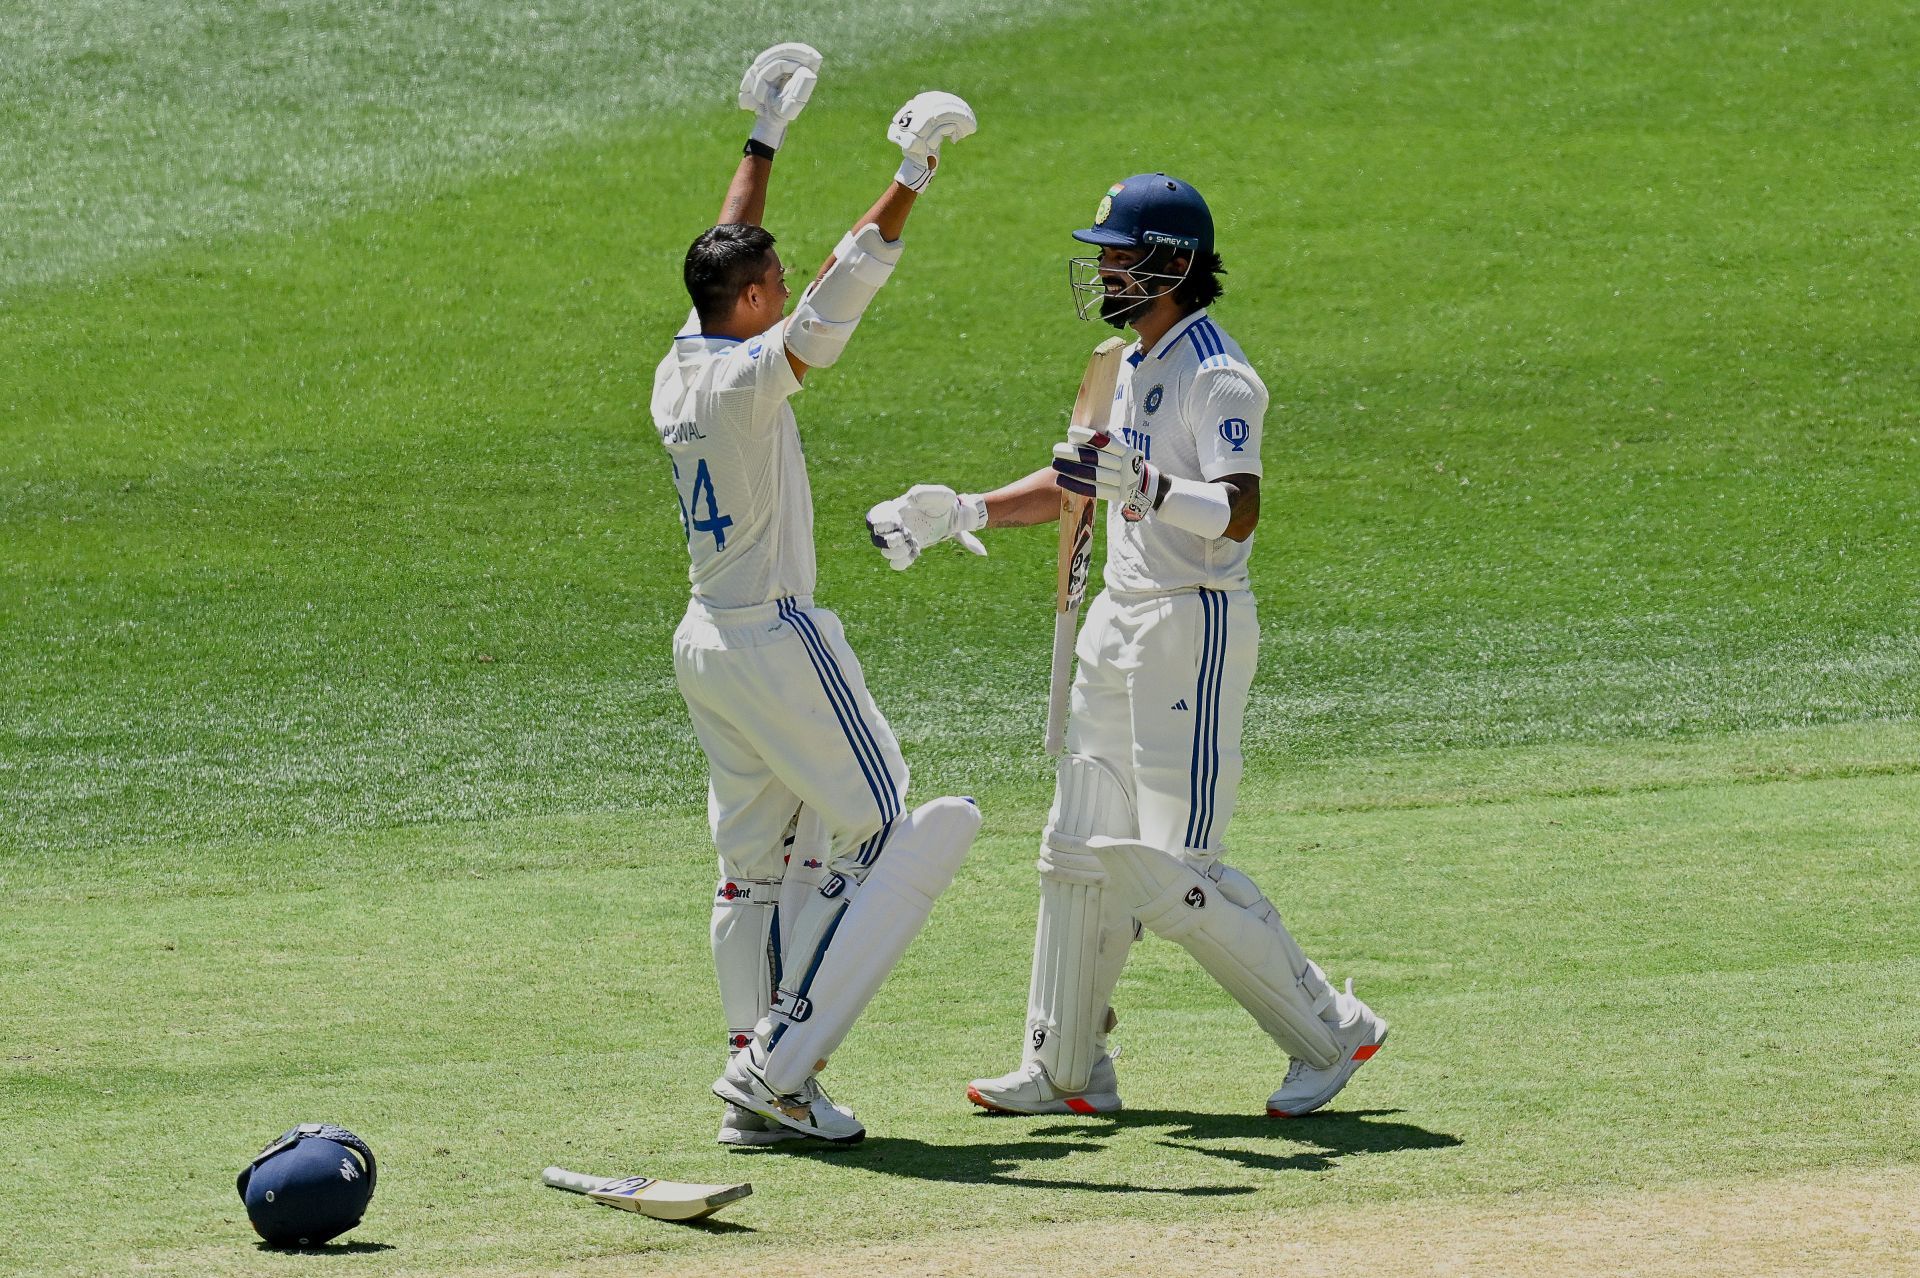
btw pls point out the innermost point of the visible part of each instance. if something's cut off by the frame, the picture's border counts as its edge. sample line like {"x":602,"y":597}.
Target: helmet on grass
{"x":312,"y":1184}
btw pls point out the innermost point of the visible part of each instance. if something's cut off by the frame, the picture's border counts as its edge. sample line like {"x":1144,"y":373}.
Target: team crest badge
{"x":1106,"y":207}
{"x":1153,"y":398}
{"x":1236,"y":432}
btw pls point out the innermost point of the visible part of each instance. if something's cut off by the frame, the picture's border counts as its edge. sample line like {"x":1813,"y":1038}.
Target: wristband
{"x":913,"y":174}
{"x":755,"y":146}
{"x":1201,"y":509}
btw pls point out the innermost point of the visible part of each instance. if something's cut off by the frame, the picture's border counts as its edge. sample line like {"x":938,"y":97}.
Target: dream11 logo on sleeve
{"x":1236,"y":432}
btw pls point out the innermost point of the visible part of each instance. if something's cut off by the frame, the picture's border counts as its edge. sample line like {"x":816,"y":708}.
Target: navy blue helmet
{"x":1150,"y":209}
{"x":1162,"y":217}
{"x":311,"y":1184}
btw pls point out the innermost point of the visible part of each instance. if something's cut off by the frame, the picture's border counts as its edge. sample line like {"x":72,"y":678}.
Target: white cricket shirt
{"x":1194,"y":406}
{"x":720,"y":407}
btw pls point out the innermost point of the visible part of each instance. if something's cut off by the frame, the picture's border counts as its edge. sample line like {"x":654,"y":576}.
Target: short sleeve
{"x":760,"y":363}
{"x":1229,"y":406}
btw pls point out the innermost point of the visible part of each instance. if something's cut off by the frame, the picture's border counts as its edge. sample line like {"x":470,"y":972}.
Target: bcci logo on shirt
{"x":1154,"y":397}
{"x":1236,"y":432}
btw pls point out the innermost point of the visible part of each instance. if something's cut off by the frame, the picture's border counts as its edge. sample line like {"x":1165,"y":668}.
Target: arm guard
{"x":1201,"y":509}
{"x":831,"y":307}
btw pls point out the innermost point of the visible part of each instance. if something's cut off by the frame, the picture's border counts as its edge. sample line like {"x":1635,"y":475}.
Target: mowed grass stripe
{"x":135,"y":129}
{"x":1864,"y":1224}
{"x":338,"y":566}
{"x":1572,"y":1094}
{"x":1614,"y":990}
{"x":321,"y":532}
{"x":1279,"y":792}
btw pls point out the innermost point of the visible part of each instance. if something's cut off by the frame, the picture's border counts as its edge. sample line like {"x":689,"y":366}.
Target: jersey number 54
{"x":691,"y":521}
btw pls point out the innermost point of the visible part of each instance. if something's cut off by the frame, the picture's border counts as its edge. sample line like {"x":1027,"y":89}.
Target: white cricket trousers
{"x":781,"y":709}
{"x":1159,"y":696}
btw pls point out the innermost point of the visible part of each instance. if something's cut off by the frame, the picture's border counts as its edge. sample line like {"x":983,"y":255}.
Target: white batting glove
{"x":919,"y":127}
{"x":776,"y":88}
{"x":925,"y":515}
{"x":1095,"y":464}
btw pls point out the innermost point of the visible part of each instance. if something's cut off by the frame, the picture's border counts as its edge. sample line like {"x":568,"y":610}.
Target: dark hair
{"x":1202,"y":286}
{"x":720,"y":265}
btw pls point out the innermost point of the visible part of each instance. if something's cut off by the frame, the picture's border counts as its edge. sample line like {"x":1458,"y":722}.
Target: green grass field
{"x":342,"y":775}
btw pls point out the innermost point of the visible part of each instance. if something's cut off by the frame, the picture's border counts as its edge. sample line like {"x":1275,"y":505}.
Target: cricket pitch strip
{"x":1817,"y":1223}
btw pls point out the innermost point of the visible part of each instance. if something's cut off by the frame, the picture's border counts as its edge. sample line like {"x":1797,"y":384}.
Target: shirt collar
{"x":690,"y":338}
{"x":1172,"y":335}
{"x":695,"y":350}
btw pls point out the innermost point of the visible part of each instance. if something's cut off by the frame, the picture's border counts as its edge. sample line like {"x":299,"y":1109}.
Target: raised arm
{"x":775,"y":88}
{"x":863,"y":260}
{"x":746,"y":200}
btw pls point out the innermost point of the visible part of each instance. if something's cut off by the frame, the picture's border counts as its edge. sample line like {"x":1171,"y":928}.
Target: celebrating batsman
{"x":799,"y":755}
{"x":1146,"y":787}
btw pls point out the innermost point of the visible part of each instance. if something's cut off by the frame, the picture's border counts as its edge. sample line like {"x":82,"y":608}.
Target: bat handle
{"x":576,"y":1182}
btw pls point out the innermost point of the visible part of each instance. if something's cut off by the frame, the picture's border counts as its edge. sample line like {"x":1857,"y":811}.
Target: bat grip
{"x":577,"y":1182}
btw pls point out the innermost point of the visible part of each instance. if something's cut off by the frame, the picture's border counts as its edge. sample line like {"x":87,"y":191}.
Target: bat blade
{"x":1092,"y":407}
{"x":648,"y":1195}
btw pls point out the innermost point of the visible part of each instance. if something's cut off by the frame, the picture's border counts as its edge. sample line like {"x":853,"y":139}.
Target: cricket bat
{"x":660,"y":1199}
{"x":1092,"y":407}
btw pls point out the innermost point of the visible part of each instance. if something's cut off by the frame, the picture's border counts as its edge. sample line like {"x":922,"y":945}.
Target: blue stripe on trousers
{"x":885,"y":797}
{"x":1213,"y":744}
{"x":1202,"y":771}
{"x":872,"y":848}
{"x":846,"y":710}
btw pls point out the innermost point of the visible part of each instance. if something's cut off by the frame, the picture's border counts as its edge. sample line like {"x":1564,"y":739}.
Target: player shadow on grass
{"x":1337,"y":1134}
{"x":1328,"y":1138}
{"x":996,"y":1164}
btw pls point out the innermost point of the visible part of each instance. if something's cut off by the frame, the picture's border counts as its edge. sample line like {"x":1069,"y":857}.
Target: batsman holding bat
{"x":1147,"y":783}
{"x":799,"y":755}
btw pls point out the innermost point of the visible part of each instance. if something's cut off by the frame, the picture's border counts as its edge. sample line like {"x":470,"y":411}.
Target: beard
{"x":1117,"y":308}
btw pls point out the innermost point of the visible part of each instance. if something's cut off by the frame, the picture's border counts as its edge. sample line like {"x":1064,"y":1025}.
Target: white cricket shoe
{"x":1029,"y":1090}
{"x":745,"y":1129}
{"x":809,"y":1111}
{"x":1360,"y":1031}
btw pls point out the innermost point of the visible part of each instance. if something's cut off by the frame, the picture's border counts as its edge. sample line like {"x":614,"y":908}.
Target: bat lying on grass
{"x":660,"y":1199}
